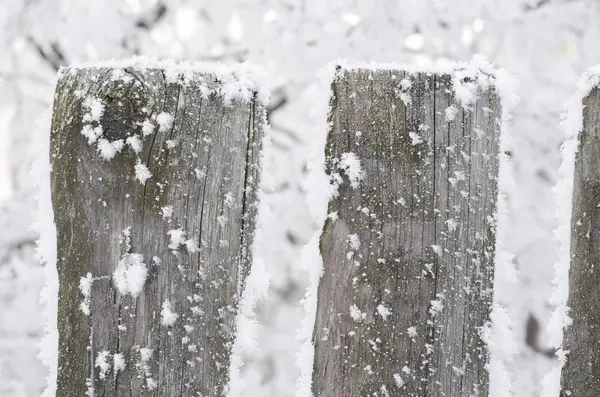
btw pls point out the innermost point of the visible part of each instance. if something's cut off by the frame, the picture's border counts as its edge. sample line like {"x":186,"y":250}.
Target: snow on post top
{"x":468,"y":78}
{"x":235,"y":81}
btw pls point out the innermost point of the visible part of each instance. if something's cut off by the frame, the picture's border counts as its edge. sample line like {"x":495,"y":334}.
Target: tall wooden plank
{"x":177,"y":202}
{"x":407,"y":251}
{"x":581,"y":372}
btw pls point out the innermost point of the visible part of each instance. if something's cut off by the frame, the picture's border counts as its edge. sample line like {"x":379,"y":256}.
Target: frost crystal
{"x":192,"y":245}
{"x":130,"y":274}
{"x":177,"y":237}
{"x":354,"y":241}
{"x":171,"y":143}
{"x":398,"y":381}
{"x":412,"y":332}
{"x":147,"y":128}
{"x":165,"y":121}
{"x":384,"y":312}
{"x":95,"y":109}
{"x":118,"y":362}
{"x":85,"y":286}
{"x":415,"y":138}
{"x":168,"y":316}
{"x":142,"y":173}
{"x":452,"y":224}
{"x":436,"y":307}
{"x":437,"y":249}
{"x":135,"y":143}
{"x":91,"y":133}
{"x":356,"y":314}
{"x":167,"y":211}
{"x":102,"y":363}
{"x":451,"y":112}
{"x":350,"y":164}
{"x":108,"y":150}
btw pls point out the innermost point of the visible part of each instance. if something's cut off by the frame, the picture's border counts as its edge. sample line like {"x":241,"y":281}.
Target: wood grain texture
{"x":433,"y":191}
{"x":209,"y":177}
{"x":581,"y":372}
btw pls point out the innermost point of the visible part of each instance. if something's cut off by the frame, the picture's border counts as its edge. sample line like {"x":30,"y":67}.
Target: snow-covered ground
{"x":546,"y":44}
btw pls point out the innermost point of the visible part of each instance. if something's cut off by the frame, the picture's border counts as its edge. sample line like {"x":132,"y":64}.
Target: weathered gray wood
{"x":415,"y":197}
{"x":581,"y":372}
{"x":209,"y":178}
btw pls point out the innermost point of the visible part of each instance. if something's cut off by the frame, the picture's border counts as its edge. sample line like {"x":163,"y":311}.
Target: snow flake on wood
{"x":167,"y":314}
{"x":451,"y":112}
{"x":108,"y":150}
{"x":143,"y":367}
{"x":398,"y":381}
{"x":142,"y":173}
{"x":130,"y":275}
{"x":95,"y":109}
{"x":165,"y":121}
{"x":177,"y":238}
{"x":102,"y":363}
{"x":356,"y":314}
{"x":384,"y":312}
{"x":354,"y":241}
{"x":147,"y":128}
{"x":118,"y":363}
{"x":350,"y":164}
{"x":167,"y":211}
{"x":85,"y":286}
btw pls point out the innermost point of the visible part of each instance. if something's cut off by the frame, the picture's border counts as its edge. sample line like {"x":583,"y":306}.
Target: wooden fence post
{"x":408,"y":245}
{"x":154,"y":191}
{"x":581,"y":372}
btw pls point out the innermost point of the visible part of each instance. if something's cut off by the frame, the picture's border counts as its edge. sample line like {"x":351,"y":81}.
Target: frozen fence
{"x":408,"y":244}
{"x":154,"y":191}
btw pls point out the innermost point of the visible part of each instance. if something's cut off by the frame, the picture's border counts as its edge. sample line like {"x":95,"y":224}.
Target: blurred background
{"x":547,"y":44}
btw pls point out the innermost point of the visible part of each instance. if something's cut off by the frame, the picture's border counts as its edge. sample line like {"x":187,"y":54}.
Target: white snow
{"x":167,"y":211}
{"x":145,"y":356}
{"x":177,"y":238}
{"x":167,"y":314}
{"x":46,"y":251}
{"x":147,"y":128}
{"x":437,"y":250}
{"x":468,"y":78}
{"x":91,"y":133}
{"x":95,"y":109}
{"x":450,"y":113}
{"x":572,"y":125}
{"x":134,"y":143}
{"x":384,"y":312}
{"x":118,"y":363}
{"x":256,"y":286}
{"x":354,"y":241}
{"x":192,"y":245}
{"x":415,"y":138}
{"x":398,"y":381}
{"x":171,"y":143}
{"x":350,"y":164}
{"x":412,"y":332}
{"x":165,"y":121}
{"x":108,"y":150}
{"x":436,"y":307}
{"x":240,"y":81}
{"x":356,"y":314}
{"x":142,"y":173}
{"x":85,"y":286}
{"x":130,"y":275}
{"x":102,"y":363}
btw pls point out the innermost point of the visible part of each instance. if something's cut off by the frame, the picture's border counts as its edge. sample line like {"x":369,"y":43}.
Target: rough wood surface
{"x":581,"y":372}
{"x":423,"y":218}
{"x":206,"y":167}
